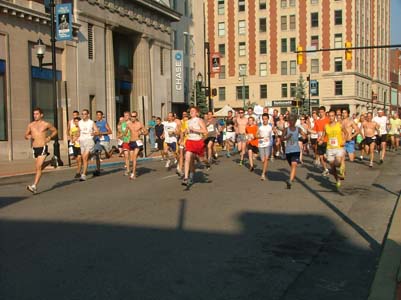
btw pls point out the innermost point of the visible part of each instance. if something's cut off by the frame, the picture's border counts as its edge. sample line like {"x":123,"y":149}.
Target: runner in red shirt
{"x":252,"y":141}
{"x":322,"y":140}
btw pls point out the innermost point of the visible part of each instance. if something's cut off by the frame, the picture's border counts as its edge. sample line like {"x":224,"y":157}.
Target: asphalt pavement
{"x":230,"y":236}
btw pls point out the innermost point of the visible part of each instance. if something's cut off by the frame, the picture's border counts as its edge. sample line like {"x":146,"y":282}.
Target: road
{"x":230,"y":236}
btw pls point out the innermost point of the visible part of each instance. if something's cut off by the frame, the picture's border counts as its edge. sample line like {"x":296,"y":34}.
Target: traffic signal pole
{"x":345,"y":48}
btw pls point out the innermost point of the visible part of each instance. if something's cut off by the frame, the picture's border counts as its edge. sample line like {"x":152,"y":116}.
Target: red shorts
{"x":195,"y":147}
{"x":125,"y":146}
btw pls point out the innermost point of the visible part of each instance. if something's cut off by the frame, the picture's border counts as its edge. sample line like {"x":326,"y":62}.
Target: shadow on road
{"x":5,"y":201}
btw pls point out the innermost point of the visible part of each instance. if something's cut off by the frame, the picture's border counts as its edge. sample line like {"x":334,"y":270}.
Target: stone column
{"x":142,"y":77}
{"x":110,"y":81}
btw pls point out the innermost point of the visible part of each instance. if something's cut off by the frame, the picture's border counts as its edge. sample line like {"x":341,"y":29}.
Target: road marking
{"x":169,"y":176}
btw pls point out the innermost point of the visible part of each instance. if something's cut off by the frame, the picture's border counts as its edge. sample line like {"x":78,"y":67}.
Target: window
{"x":284,"y":90}
{"x":293,"y":89}
{"x":338,"y":88}
{"x":221,"y":29}
{"x":293,"y":44}
{"x":315,"y":41}
{"x":314,"y":19}
{"x":90,"y":42}
{"x":283,"y":3}
{"x":292,"y":3}
{"x":220,"y":7}
{"x":292,"y":22}
{"x":314,"y":1}
{"x":241,"y":5}
{"x":284,"y":68}
{"x":241,"y":27}
{"x":262,"y":25}
{"x":314,"y":65}
{"x":338,"y":64}
{"x":283,"y":22}
{"x":222,"y":74}
{"x":338,"y":17}
{"x":293,"y":67}
{"x":242,"y":49}
{"x":240,"y":94}
{"x":3,"y":102}
{"x":222,"y":49}
{"x":262,"y":4}
{"x":284,"y":45}
{"x":222,"y":93}
{"x":263,"y":69}
{"x":263,"y":91}
{"x":161,"y":61}
{"x":338,"y":40}
{"x":263,"y":47}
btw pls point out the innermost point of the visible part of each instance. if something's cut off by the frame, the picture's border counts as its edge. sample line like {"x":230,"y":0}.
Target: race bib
{"x":139,"y":143}
{"x":101,"y":138}
{"x":333,"y":142}
{"x":210,"y":128}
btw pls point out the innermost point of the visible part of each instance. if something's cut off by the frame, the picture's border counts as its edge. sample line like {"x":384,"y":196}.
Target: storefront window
{"x":3,"y":111}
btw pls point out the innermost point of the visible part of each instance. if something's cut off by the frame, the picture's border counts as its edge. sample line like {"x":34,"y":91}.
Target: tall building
{"x":395,"y":78}
{"x":257,"y":40}
{"x":119,"y":59}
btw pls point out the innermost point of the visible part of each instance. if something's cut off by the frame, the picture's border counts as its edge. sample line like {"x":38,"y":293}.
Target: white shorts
{"x":230,"y":136}
{"x":264,"y":152}
{"x":87,"y":145}
{"x":332,"y":154}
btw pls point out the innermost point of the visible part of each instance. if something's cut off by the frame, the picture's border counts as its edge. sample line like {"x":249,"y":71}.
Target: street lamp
{"x":192,"y":55}
{"x":209,"y":89}
{"x":242,"y":74}
{"x":40,"y":48}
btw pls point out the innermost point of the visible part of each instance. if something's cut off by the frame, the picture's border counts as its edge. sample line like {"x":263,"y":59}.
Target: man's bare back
{"x":38,"y":132}
{"x":349,"y":126}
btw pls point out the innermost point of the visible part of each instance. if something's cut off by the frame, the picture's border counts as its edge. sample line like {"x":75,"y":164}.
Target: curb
{"x":387,"y":281}
{"x":119,"y":163}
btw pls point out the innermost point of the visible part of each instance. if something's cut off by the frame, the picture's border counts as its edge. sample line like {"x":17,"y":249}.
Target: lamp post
{"x":40,"y":53}
{"x":192,"y":55}
{"x":242,"y":74}
{"x":209,"y":90}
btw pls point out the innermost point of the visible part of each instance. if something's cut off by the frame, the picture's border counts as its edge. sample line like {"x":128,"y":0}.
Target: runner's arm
{"x":28,"y":132}
{"x":53,"y":132}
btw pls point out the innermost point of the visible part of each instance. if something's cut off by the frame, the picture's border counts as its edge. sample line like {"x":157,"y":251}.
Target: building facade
{"x":118,"y":60}
{"x":257,"y":40}
{"x":395,"y":78}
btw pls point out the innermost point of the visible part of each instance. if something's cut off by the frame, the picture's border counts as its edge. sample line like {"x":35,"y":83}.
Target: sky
{"x":395,"y":21}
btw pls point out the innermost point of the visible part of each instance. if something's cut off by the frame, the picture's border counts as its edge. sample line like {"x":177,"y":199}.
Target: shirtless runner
{"x":352,"y":131}
{"x":369,"y":129}
{"x":37,"y":132}
{"x":240,"y":130}
{"x":135,"y":128}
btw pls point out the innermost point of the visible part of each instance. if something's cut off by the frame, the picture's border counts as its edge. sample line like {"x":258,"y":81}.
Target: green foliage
{"x":201,"y":100}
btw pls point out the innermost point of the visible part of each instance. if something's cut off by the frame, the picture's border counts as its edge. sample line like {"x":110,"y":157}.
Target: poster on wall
{"x":215,"y":63}
{"x":64,"y":22}
{"x":178,"y":76}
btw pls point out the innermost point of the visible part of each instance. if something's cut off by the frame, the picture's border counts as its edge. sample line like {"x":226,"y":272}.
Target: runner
{"x":369,"y":128}
{"x":136,"y":129}
{"x":182,"y":141}
{"x":252,"y":141}
{"x":194,"y":144}
{"x":240,"y":125}
{"x":303,"y":140}
{"x":281,"y":124}
{"x":230,"y":133}
{"x":381,"y":140}
{"x":395,"y":129}
{"x":124,"y":135}
{"x":37,"y":132}
{"x":352,"y":131}
{"x":322,"y":141}
{"x":102,"y":140}
{"x":171,"y":132}
{"x":292,"y":150}
{"x":211,"y":126}
{"x":265,"y":133}
{"x":87,"y":131}
{"x":75,"y":149}
{"x":313,"y":138}
{"x":159,"y":132}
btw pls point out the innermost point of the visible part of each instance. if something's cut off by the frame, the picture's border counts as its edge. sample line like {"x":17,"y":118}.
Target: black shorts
{"x":210,"y":139}
{"x":76,"y":151}
{"x":321,"y":149}
{"x":134,"y":145}
{"x":381,"y":139}
{"x":160,"y":143}
{"x":293,"y":157}
{"x":313,"y":141}
{"x":304,"y":141}
{"x":40,"y":151}
{"x":369,"y":140}
{"x":253,"y":148}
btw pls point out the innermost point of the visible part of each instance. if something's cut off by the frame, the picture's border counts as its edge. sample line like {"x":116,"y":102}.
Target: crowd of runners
{"x":183,"y":143}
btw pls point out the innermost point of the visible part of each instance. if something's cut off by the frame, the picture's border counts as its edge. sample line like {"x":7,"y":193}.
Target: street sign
{"x":215,"y":63}
{"x":314,"y":88}
{"x":178,"y":76}
{"x":311,"y":54}
{"x":283,"y":103}
{"x":313,"y":102}
{"x":64,"y":22}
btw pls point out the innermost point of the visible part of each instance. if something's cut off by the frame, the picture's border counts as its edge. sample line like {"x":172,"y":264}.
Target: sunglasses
{"x":241,"y":112}
{"x":134,"y":116}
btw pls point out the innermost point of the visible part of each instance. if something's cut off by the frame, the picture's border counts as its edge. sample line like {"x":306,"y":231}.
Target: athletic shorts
{"x":105,"y":145}
{"x":134,"y":145}
{"x":195,"y":147}
{"x":253,"y":148}
{"x":313,"y":141}
{"x":241,"y":138}
{"x":125,"y":146}
{"x":230,"y":136}
{"x":369,"y":140}
{"x":160,"y":143}
{"x":321,"y":149}
{"x":265,"y":152}
{"x":332,"y":154}
{"x":76,"y":151}
{"x":304,"y":141}
{"x":350,"y":146}
{"x":209,"y":139}
{"x":172,"y":146}
{"x":293,"y":157}
{"x":40,"y":151}
{"x":381,"y":139}
{"x":87,"y":145}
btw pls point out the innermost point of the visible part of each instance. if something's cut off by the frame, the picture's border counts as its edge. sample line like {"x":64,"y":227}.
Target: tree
{"x":301,"y":94}
{"x":201,"y":102}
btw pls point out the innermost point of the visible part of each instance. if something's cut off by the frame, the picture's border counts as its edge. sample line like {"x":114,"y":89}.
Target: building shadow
{"x":5,"y":201}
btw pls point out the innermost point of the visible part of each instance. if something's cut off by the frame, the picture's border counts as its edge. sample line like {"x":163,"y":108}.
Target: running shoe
{"x":228,"y":155}
{"x":361,"y":158}
{"x":168,"y":164}
{"x":178,"y":172}
{"x":126,"y":173}
{"x":78,"y":175}
{"x":132,"y":177}
{"x":326,"y":172}
{"x":96,"y":173}
{"x":175,"y":161}
{"x":32,"y":188}
{"x":371,"y":164}
{"x":251,"y":169}
{"x":216,"y":156}
{"x":342,"y":171}
{"x":263,"y":178}
{"x":288,"y":182}
{"x":338,"y":184}
{"x":381,"y":161}
{"x":240,"y":162}
{"x":184,"y":181}
{"x":83,"y":177}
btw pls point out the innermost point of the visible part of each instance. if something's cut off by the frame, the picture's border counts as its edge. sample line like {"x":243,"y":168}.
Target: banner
{"x":215,"y":63}
{"x":64,"y":22}
{"x":178,"y":76}
{"x":314,"y":88}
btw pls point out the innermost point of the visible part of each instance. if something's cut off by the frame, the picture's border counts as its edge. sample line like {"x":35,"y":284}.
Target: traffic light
{"x":348,"y":52}
{"x":214,"y":92}
{"x":300,"y":55}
